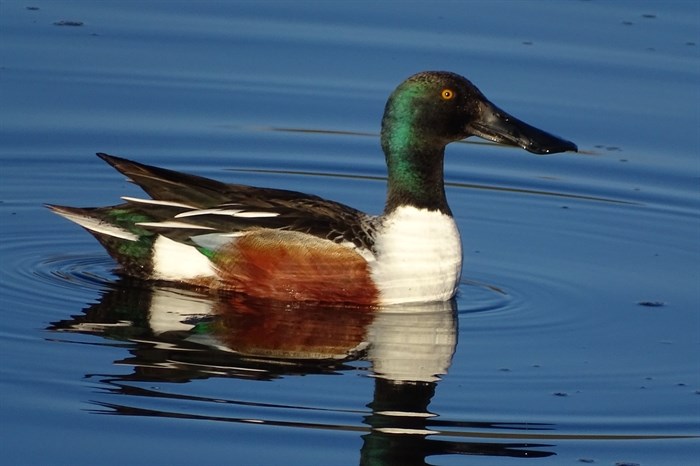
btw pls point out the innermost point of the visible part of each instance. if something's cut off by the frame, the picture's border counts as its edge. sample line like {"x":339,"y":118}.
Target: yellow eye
{"x":447,"y":94}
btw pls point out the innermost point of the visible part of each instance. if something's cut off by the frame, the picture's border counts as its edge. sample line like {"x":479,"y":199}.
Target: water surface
{"x":576,"y":332}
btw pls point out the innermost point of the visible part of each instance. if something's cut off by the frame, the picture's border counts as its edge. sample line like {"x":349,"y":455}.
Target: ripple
{"x":512,"y":302}
{"x":32,"y":264}
{"x":83,"y":270}
{"x":475,"y":296}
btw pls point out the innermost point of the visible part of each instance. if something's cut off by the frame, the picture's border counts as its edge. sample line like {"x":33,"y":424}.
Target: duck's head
{"x":428,"y":111}
{"x":434,"y":108}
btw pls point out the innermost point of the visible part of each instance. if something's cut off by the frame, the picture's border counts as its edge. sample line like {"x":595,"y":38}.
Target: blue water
{"x":576,"y":333}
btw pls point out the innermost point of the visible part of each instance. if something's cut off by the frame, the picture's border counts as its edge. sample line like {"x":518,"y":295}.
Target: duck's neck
{"x":416,"y":175}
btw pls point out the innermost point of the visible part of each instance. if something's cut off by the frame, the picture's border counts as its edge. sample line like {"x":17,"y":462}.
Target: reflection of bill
{"x":181,"y":335}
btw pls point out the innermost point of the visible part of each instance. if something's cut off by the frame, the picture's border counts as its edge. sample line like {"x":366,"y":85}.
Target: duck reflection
{"x":180,"y":335}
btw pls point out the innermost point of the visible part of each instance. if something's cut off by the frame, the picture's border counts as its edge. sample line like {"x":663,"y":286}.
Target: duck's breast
{"x":419,"y":256}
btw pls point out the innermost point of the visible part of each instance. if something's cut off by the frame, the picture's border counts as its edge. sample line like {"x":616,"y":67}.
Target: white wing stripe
{"x":256,"y":214}
{"x":183,"y":225}
{"x":138,"y":200}
{"x":229,"y":212}
{"x":194,"y":213}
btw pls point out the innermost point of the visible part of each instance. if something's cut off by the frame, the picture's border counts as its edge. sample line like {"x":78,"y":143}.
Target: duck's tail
{"x":117,"y":230}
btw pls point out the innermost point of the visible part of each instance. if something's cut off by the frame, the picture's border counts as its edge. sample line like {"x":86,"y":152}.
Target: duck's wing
{"x":184,"y":206}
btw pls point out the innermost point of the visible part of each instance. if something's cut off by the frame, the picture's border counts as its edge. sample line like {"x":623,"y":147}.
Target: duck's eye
{"x":447,"y":94}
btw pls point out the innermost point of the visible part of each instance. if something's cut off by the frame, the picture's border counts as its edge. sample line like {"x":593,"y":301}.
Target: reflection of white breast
{"x":419,"y":256}
{"x":413,"y":344}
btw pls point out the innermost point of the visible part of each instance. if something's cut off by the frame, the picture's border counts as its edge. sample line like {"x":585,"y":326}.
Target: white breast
{"x":419,"y":256}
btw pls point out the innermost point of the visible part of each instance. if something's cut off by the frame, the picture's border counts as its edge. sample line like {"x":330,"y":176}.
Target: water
{"x":576,"y":331}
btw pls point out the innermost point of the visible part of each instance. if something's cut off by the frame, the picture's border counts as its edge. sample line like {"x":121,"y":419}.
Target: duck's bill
{"x":496,"y":125}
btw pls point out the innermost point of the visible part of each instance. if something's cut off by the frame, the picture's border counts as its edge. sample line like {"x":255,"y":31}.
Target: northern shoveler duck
{"x":291,"y":246}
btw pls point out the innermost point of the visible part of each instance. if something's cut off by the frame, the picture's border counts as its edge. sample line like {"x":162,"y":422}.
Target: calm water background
{"x":575,"y":336}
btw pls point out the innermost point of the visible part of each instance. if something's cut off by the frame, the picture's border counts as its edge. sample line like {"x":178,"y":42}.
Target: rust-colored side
{"x":292,"y":266}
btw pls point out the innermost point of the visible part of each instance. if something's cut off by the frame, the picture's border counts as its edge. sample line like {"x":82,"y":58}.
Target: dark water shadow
{"x":177,"y":336}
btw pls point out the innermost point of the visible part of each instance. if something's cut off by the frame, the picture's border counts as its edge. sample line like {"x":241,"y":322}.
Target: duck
{"x":291,"y":246}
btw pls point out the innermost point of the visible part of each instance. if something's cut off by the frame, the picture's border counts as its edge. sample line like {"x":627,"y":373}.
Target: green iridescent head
{"x":428,"y":111}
